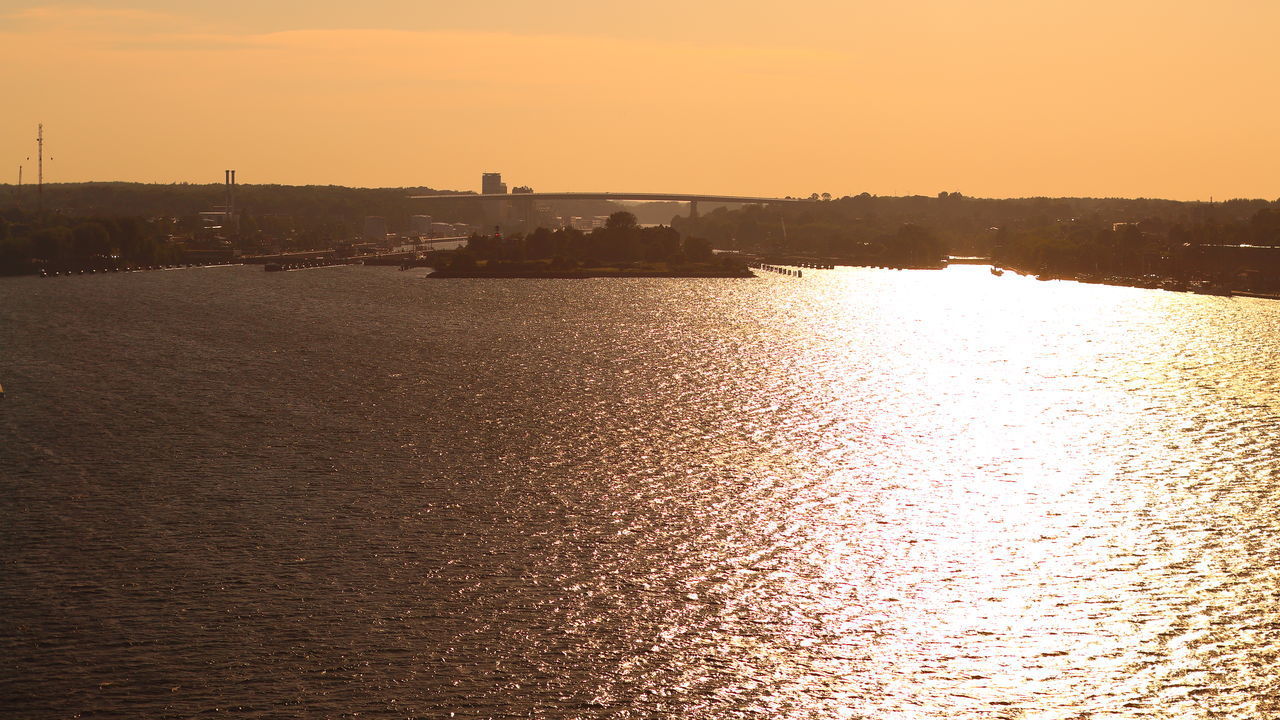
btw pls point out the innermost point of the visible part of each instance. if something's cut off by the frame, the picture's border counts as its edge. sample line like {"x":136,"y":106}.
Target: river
{"x":354,"y":492}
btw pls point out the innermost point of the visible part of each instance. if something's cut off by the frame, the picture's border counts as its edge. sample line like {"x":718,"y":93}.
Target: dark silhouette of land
{"x":1234,"y":244}
{"x":92,"y":225}
{"x":619,"y":249}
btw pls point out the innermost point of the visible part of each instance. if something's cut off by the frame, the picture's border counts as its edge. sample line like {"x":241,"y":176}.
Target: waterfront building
{"x":420,"y":225}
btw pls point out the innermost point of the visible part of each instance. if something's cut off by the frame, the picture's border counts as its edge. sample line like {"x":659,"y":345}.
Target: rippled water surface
{"x":862,"y":493}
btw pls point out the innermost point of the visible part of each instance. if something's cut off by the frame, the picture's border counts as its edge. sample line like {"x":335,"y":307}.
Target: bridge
{"x":494,"y":199}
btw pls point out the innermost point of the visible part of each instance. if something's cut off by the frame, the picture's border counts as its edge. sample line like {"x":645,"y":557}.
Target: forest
{"x":621,"y":240}
{"x":156,"y":223}
{"x":1111,"y":236}
{"x":74,"y":223}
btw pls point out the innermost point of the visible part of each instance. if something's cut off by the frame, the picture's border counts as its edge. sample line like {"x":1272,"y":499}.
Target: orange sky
{"x":993,"y":98}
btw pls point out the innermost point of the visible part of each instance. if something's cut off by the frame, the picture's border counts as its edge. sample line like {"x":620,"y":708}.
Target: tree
{"x":540,"y":244}
{"x":462,"y":260}
{"x":621,"y":220}
{"x":91,"y":238}
{"x":697,"y":249}
{"x":14,"y":251}
{"x":50,"y":243}
{"x":1265,"y":227}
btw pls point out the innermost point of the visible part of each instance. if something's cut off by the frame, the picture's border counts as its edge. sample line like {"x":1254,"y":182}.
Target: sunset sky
{"x":993,"y":98}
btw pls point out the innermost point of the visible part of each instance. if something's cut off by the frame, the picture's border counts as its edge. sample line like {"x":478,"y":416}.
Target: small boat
{"x":996,"y":271}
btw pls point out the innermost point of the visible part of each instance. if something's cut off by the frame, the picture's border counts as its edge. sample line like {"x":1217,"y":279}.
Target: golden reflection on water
{"x":861,"y":493}
{"x":1000,"y":511}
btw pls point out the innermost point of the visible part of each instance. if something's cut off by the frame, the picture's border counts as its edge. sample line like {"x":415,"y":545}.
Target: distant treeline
{"x":325,"y":211}
{"x":320,"y":211}
{"x":86,"y":224}
{"x":29,"y":244}
{"x":139,"y":219}
{"x":1064,"y":235}
{"x":620,"y":241}
{"x":136,"y":222}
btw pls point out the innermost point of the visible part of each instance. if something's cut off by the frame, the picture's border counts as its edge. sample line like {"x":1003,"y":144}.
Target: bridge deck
{"x":652,"y":197}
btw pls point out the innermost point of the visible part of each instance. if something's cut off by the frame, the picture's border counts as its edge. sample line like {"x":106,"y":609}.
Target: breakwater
{"x":69,"y":269}
{"x":793,"y":272}
{"x":304,"y":264}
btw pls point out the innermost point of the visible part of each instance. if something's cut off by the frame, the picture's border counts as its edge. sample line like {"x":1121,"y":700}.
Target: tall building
{"x":495,"y":211}
{"x":491,"y":184}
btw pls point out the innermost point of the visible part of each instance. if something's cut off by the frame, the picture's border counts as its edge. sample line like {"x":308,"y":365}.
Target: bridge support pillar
{"x":693,"y":209}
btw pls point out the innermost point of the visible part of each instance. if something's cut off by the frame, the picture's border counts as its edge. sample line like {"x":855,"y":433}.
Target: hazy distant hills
{"x":306,"y":206}
{"x":963,"y":224}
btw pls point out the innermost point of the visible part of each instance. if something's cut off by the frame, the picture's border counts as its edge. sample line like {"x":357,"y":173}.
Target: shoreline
{"x":1150,"y":282}
{"x":587,"y":273}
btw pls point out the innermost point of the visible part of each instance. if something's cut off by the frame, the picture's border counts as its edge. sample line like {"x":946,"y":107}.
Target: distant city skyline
{"x":991,"y":98}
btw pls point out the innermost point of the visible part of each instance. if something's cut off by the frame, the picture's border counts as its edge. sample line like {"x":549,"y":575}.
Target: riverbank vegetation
{"x":162,"y":223}
{"x":622,"y":248}
{"x":30,"y":244}
{"x":1236,"y":242}
{"x":318,"y":211}
{"x":83,"y":226}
